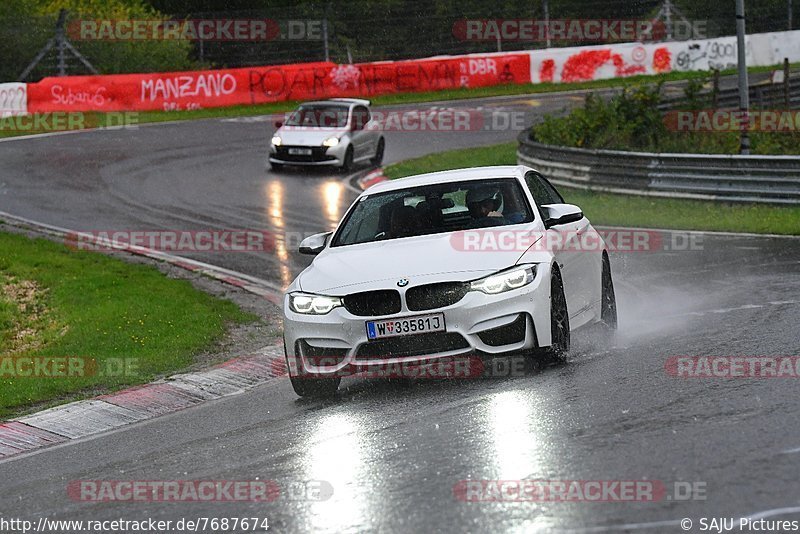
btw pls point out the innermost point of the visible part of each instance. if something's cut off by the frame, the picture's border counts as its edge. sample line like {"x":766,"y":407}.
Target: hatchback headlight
{"x":331,"y":141}
{"x":505,"y":281}
{"x":312,"y":304}
{"x":276,"y":140}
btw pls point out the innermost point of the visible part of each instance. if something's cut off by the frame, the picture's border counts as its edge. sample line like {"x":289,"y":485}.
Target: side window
{"x":360,"y":117}
{"x":543,"y":193}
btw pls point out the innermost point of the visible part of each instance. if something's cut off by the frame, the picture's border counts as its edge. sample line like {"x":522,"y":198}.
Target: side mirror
{"x":314,"y":244}
{"x":555,"y":214}
{"x":278,"y":124}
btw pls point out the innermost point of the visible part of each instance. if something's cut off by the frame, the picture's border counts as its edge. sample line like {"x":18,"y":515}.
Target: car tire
{"x":347,"y":164}
{"x":306,"y":386}
{"x":377,"y":159}
{"x":277,"y":167}
{"x":559,"y":319}
{"x":608,"y":310}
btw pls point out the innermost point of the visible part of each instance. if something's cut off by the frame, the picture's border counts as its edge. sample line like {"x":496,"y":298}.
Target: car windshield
{"x":434,"y":209}
{"x":319,"y":116}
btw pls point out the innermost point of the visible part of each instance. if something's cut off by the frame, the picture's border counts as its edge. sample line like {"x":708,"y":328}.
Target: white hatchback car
{"x":338,"y":132}
{"x":481,"y":261}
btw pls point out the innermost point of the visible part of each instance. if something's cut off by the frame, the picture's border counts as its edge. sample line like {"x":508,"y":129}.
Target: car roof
{"x":349,"y":102}
{"x":456,"y":175}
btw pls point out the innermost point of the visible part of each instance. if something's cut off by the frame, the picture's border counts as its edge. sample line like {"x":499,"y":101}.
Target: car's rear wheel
{"x":347,"y":164}
{"x":308,"y":386}
{"x":608,"y":311}
{"x":559,"y":319}
{"x":377,"y":159}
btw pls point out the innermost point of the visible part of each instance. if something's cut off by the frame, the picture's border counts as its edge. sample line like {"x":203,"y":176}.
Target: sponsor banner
{"x":586,"y":63}
{"x":308,"y":81}
{"x":259,"y":85}
{"x":13,"y":99}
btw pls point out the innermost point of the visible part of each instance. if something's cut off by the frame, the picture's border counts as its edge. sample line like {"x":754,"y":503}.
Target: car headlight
{"x":313,"y":304}
{"x":276,"y":140}
{"x":331,"y":141}
{"x":505,"y":281}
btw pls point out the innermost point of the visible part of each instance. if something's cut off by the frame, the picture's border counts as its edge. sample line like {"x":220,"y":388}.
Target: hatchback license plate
{"x":419,"y":324}
{"x":300,"y":151}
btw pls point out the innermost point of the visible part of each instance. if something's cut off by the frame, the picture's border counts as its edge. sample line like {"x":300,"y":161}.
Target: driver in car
{"x":483,"y":203}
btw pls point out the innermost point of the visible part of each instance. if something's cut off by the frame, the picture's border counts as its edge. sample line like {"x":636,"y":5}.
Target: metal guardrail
{"x":771,"y":179}
{"x":764,"y":95}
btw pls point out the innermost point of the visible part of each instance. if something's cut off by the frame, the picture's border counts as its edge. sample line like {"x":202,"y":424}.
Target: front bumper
{"x":337,"y":343}
{"x":320,"y":155}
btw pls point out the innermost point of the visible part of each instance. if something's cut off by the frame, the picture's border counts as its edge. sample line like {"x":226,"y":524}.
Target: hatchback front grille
{"x":432,"y":296}
{"x":318,"y":153}
{"x":373,"y":303}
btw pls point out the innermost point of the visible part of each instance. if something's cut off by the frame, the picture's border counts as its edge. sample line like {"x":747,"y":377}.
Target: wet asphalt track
{"x":393,"y":454}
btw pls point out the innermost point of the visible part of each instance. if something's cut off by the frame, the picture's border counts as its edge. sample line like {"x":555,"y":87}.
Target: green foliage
{"x":631,"y":120}
{"x":26,"y":25}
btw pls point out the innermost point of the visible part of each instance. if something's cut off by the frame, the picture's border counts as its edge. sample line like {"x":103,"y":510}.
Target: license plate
{"x":300,"y":151}
{"x":418,"y":324}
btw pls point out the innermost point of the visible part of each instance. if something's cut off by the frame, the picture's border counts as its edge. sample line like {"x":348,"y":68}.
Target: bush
{"x":631,"y":120}
{"x":26,"y":26}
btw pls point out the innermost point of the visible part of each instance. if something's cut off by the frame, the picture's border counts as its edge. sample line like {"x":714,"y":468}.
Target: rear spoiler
{"x":360,"y":101}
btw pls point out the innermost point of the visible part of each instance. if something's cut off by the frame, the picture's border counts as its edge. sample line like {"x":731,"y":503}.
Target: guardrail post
{"x":786,"y":100}
{"x":715,"y":92}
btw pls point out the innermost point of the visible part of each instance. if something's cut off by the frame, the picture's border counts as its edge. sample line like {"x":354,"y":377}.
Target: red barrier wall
{"x":219,"y":88}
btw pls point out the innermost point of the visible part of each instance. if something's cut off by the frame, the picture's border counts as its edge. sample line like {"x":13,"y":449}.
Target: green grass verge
{"x":400,"y":98}
{"x":57,"y":302}
{"x":625,"y":210}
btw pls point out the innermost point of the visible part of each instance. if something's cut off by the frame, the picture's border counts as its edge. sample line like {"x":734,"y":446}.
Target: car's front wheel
{"x":559,"y":319}
{"x":277,"y":167}
{"x":347,"y":163}
{"x":308,"y":386}
{"x":377,"y":159}
{"x":608,"y":311}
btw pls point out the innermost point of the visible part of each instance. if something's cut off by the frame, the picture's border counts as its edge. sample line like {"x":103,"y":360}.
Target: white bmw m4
{"x":482,"y":261}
